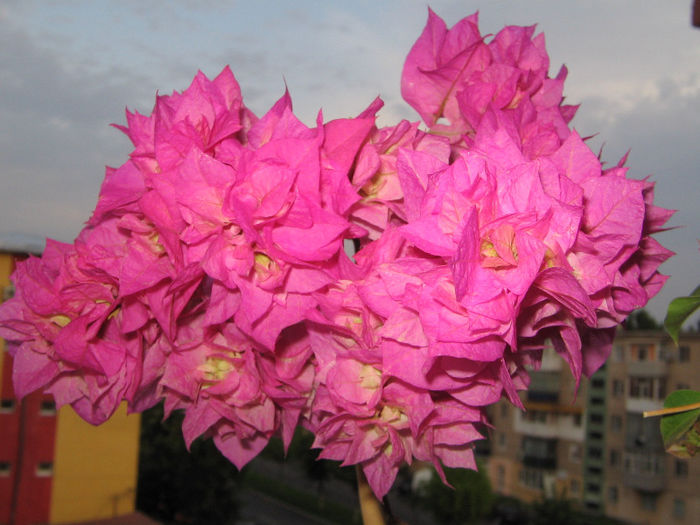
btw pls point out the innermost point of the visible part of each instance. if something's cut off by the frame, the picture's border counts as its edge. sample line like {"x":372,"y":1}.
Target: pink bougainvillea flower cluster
{"x":212,"y":274}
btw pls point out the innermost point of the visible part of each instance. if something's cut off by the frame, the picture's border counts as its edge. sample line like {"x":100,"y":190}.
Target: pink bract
{"x":212,"y":274}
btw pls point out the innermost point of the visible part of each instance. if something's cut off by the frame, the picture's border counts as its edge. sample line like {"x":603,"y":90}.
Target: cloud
{"x":54,"y":137}
{"x":660,"y":131}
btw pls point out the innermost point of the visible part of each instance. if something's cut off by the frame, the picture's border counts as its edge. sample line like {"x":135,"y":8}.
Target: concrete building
{"x":595,"y":447}
{"x":54,"y":467}
{"x":644,"y":484}
{"x":540,"y":452}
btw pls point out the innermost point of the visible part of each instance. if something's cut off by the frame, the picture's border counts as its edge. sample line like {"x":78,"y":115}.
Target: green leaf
{"x":679,"y":310}
{"x":678,"y":430}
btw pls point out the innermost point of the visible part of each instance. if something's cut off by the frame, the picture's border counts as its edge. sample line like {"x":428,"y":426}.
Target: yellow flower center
{"x":61,"y":320}
{"x":370,"y":377}
{"x":215,"y":369}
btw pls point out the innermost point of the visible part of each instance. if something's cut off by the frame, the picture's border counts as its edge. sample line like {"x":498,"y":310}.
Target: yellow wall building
{"x":55,"y":467}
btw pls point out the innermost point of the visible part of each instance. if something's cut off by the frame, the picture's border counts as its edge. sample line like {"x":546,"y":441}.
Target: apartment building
{"x":644,"y":484}
{"x":55,"y":467}
{"x":540,"y":452}
{"x":594,"y":446}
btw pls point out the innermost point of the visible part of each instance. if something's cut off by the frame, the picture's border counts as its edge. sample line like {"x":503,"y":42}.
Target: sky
{"x":68,"y":69}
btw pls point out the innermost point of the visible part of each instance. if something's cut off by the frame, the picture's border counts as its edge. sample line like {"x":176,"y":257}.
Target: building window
{"x":640,"y":387}
{"x":647,"y":388}
{"x":501,"y":477}
{"x":684,"y":354}
{"x":597,"y":401}
{"x":577,"y":420}
{"x":618,"y":354}
{"x":536,"y":416}
{"x":575,"y":452}
{"x":598,"y":383}
{"x":7,"y":406}
{"x":532,"y":478}
{"x":681,"y":468}
{"x":5,"y":468}
{"x":644,"y":464}
{"x":678,"y":508}
{"x":574,"y":487}
{"x":661,"y":389}
{"x":593,"y":488}
{"x":682,"y":386}
{"x":501,"y":439}
{"x":648,"y":501}
{"x":47,"y":408}
{"x":642,"y":353}
{"x":44,"y":469}
{"x":612,"y":494}
{"x":504,"y":410}
{"x":618,"y":388}
{"x":614,"y":458}
{"x":595,"y":452}
{"x":615,"y":422}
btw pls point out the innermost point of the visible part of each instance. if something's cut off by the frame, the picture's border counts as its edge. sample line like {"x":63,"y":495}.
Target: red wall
{"x":26,"y":439}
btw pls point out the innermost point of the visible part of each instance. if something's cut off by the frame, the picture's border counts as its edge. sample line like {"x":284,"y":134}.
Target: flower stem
{"x":671,"y":410}
{"x":369,"y":504}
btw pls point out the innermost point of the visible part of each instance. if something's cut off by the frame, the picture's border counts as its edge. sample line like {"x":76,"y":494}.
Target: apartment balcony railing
{"x":544,"y":386}
{"x":545,"y":462}
{"x":645,"y":471}
{"x":639,"y":405}
{"x":542,"y":396}
{"x":647,"y":368}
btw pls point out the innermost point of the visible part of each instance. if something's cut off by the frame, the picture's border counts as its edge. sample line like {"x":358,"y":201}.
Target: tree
{"x":469,"y":500}
{"x":553,"y":511}
{"x":177,"y":486}
{"x":641,"y":320}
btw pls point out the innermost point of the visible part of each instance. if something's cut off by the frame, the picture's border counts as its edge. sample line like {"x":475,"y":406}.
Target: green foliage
{"x":548,"y":511}
{"x":681,"y":431}
{"x":177,"y":486}
{"x":300,"y":452}
{"x":679,"y":310}
{"x":470,"y":500}
{"x":328,"y":509}
{"x":555,"y":511}
{"x":641,"y":320}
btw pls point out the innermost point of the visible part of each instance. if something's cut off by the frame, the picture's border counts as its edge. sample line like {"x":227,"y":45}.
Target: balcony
{"x":566,"y":425}
{"x":544,"y":387}
{"x":638,"y":405}
{"x":542,"y":396}
{"x":539,"y":453}
{"x":647,"y":369}
{"x":543,"y":462}
{"x":645,"y":471}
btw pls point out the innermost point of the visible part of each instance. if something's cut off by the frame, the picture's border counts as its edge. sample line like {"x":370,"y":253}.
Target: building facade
{"x":55,"y":467}
{"x":594,"y":446}
{"x":539,"y":453}
{"x":644,"y":484}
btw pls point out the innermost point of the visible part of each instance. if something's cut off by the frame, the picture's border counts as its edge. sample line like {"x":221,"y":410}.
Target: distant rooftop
{"x":21,"y":243}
